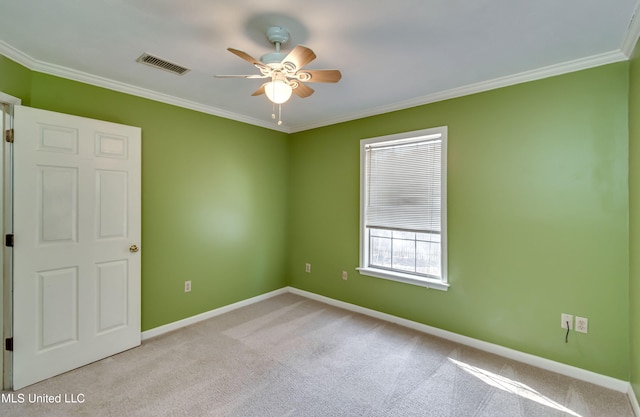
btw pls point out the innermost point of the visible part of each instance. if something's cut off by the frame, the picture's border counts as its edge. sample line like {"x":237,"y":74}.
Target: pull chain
{"x":273,"y":113}
{"x":273,"y":109}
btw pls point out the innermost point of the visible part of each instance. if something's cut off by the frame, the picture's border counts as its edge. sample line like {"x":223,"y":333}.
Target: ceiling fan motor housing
{"x":277,"y":34}
{"x":272,"y":58}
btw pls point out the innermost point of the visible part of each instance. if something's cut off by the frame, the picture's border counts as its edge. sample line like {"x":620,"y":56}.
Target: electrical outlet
{"x":566,"y":319}
{"x":187,"y":286}
{"x":344,"y":275}
{"x":582,"y":324}
{"x":307,"y":267}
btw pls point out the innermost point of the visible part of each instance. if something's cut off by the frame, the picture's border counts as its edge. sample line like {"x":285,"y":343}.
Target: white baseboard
{"x":547,"y":364}
{"x":157,"y":331}
{"x":633,"y":400}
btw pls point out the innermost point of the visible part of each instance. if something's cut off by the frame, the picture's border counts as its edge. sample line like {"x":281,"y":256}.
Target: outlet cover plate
{"x":564,"y":318}
{"x":582,"y":324}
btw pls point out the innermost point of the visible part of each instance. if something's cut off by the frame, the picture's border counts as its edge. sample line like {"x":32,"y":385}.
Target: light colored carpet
{"x":293,"y":357}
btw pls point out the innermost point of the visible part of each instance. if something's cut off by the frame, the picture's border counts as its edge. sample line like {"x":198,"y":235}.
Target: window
{"x":403,"y":222}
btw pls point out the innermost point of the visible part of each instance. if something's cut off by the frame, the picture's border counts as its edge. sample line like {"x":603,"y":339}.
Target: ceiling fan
{"x":284,"y":71}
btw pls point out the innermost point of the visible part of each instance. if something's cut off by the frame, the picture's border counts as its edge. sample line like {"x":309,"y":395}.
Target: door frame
{"x":6,"y":226}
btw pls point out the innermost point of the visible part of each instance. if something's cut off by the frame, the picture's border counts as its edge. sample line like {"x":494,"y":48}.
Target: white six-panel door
{"x":76,"y":275}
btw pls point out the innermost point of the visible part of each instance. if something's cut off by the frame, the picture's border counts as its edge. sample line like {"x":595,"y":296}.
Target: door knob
{"x":133,"y":248}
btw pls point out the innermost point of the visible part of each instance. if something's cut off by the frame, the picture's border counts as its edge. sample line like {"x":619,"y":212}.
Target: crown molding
{"x":86,"y":78}
{"x":537,"y":74}
{"x":17,"y":56}
{"x":533,"y":75}
{"x":633,"y":33}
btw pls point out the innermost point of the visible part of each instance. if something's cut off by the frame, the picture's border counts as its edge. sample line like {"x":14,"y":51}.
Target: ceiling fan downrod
{"x":277,"y":36}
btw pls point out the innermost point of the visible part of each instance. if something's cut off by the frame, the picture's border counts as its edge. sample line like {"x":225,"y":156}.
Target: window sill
{"x":405,"y":278}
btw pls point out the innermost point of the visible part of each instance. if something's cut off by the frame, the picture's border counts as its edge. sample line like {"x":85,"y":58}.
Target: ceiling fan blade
{"x":319,"y":76}
{"x":259,"y":90}
{"x":241,"y":76}
{"x":299,"y":57}
{"x":303,"y":90}
{"x":247,"y":57}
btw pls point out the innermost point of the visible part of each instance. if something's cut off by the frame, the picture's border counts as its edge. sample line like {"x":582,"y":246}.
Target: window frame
{"x":394,"y":275}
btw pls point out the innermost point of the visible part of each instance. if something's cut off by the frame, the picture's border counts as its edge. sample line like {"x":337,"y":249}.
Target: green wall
{"x":537,"y":217}
{"x":213,"y":195}
{"x":538,"y":209}
{"x":15,"y":80}
{"x":634,"y":217}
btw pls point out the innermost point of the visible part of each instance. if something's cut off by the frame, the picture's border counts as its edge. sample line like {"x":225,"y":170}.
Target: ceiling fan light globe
{"x":278,"y":91}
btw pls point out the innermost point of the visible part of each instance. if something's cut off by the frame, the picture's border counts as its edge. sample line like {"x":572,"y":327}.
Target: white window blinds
{"x":404,"y":185}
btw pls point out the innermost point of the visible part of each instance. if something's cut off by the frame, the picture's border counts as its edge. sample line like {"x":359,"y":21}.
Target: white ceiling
{"x":392,"y":54}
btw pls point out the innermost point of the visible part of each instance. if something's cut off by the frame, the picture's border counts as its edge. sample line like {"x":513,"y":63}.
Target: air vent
{"x":160,"y":63}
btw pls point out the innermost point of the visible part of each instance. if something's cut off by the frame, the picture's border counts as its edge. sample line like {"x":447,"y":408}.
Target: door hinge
{"x":8,"y":344}
{"x":8,"y":240}
{"x":8,"y":135}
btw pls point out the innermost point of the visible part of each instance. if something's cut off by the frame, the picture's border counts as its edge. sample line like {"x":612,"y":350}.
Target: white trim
{"x":634,"y":401}
{"x":540,"y":73}
{"x":547,"y":364}
{"x":539,"y":362}
{"x":18,"y":56}
{"x":6,"y":98}
{"x":157,"y":331}
{"x":405,"y":278}
{"x":532,"y":75}
{"x":434,"y":133}
{"x":86,"y":78}
{"x":633,"y":32}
